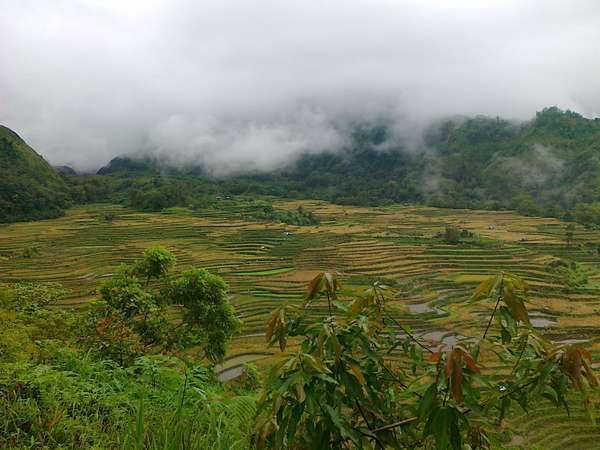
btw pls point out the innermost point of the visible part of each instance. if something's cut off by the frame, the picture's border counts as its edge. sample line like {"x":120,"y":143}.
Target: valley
{"x":267,"y":263}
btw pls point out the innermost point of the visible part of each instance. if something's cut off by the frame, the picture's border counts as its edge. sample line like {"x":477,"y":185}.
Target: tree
{"x":128,"y":319}
{"x":361,"y":379}
{"x":452,"y":235}
{"x":132,"y":318}
{"x":569,"y":233}
{"x":125,"y":294}
{"x":156,"y":263}
{"x":206,"y":309}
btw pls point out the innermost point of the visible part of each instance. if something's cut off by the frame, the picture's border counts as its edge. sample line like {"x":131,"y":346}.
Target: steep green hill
{"x":29,"y":187}
{"x":547,"y":166}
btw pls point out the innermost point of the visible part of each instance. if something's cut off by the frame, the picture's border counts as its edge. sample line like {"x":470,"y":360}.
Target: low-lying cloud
{"x":239,"y":145}
{"x":249,"y":85}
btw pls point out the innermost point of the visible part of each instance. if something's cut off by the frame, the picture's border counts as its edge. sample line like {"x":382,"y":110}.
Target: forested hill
{"x":541,"y":167}
{"x":547,"y":166}
{"x":29,"y":187}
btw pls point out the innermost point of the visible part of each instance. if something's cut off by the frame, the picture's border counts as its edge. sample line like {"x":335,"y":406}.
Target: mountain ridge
{"x":549,"y":165}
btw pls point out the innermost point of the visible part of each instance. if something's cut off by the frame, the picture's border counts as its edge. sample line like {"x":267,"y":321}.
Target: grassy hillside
{"x":29,"y":187}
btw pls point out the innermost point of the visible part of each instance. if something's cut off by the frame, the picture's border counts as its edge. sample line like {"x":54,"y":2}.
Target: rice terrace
{"x":266,"y":264}
{"x":292,"y":225}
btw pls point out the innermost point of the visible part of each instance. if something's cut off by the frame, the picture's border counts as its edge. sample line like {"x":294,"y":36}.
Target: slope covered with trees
{"x":29,"y":187}
{"x":548,"y":166}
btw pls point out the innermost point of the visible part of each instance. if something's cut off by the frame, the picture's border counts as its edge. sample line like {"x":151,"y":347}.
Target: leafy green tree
{"x":131,"y":317}
{"x":124,"y":293}
{"x":361,"y":379}
{"x":156,"y":263}
{"x":206,"y":309}
{"x":28,"y":296}
{"x":587,"y":213}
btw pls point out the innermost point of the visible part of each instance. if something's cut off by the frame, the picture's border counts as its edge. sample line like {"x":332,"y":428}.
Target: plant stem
{"x":409,"y":334}
{"x":493,"y":312}
{"x":396,"y":424}
{"x":370,"y":434}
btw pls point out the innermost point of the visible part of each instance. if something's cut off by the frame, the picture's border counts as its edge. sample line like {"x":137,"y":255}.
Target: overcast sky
{"x":251,"y":83}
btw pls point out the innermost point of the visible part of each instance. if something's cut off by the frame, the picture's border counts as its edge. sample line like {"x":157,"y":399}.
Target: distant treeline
{"x":549,"y":166}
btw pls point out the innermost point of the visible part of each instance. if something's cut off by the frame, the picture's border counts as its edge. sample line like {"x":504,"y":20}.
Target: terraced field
{"x":267,"y":263}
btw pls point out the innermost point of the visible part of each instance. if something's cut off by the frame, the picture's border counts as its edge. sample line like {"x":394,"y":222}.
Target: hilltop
{"x":29,"y":187}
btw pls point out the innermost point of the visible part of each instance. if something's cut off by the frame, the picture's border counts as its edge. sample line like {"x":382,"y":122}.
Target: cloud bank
{"x":236,"y":84}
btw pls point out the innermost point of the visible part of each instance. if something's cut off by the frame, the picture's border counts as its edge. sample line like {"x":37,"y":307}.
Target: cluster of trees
{"x":548,"y":166}
{"x":131,"y":317}
{"x":266,"y":212}
{"x":134,"y":371}
{"x":587,"y":213}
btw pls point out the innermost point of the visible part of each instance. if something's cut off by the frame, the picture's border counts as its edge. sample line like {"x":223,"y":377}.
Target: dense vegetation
{"x":119,"y":376}
{"x":548,"y":166}
{"x":360,"y":379}
{"x":431,"y":259}
{"x":29,"y":187}
{"x":136,"y":368}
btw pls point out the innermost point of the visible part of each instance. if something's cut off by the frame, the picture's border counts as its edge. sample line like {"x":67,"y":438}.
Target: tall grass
{"x":221,"y":425}
{"x":75,"y":402}
{"x":222,"y":428}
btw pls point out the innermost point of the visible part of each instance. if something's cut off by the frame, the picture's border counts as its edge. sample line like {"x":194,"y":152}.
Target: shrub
{"x":452,"y":235}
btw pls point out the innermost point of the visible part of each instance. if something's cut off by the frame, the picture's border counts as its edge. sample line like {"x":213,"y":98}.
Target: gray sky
{"x":252,"y":83}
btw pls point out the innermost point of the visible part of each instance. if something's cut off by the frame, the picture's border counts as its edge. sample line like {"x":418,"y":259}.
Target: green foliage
{"x":342,"y":387}
{"x":55,"y":394}
{"x":452,"y":235}
{"x":570,"y":273}
{"x":587,"y":214}
{"x":156,"y":263}
{"x":552,"y":161}
{"x":29,"y":187}
{"x":206,"y":308}
{"x":131,"y":317}
{"x":26,"y":296}
{"x":125,"y":294}
{"x":264,"y":211}
{"x":75,"y":402}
